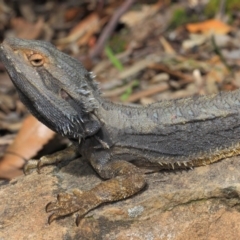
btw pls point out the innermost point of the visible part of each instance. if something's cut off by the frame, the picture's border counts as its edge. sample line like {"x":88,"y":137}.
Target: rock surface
{"x":197,"y":204}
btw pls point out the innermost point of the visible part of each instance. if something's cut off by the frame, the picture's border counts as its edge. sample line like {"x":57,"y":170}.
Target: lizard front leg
{"x":125,"y":179}
{"x":69,"y":153}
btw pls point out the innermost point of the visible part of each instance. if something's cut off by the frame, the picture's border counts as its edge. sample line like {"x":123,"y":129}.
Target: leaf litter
{"x":140,"y":51}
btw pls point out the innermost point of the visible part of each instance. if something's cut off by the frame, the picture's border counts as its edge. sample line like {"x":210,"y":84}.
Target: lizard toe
{"x":67,"y":204}
{"x":31,"y":164}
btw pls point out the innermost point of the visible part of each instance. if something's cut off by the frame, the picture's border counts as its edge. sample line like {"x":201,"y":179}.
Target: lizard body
{"x":116,"y":138}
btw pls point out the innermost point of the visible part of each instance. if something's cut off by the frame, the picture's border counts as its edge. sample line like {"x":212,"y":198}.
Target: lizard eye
{"x":36,"y":60}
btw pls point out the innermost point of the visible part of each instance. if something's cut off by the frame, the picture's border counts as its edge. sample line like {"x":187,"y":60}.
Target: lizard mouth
{"x":8,"y":57}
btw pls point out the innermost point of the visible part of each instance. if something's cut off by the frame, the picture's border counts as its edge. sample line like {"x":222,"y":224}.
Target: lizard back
{"x":176,"y":133}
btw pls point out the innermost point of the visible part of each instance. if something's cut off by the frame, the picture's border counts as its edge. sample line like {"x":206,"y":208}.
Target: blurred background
{"x":140,"y":52}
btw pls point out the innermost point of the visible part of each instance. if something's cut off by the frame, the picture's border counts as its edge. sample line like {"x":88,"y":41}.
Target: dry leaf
{"x":90,"y":24}
{"x":30,"y":139}
{"x":167,"y":46}
{"x":195,"y":40}
{"x":72,"y":13}
{"x":26,"y":29}
{"x":132,"y":18}
{"x":210,"y":26}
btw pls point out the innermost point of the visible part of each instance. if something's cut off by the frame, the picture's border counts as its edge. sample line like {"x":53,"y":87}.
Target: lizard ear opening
{"x":36,"y":60}
{"x":64,"y":94}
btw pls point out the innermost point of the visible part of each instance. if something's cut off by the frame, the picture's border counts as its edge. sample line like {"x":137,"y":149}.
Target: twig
{"x":184,"y":78}
{"x":109,"y":28}
{"x":222,"y":9}
{"x":148,"y":92}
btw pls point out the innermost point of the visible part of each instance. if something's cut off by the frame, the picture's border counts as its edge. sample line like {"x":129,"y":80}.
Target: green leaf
{"x":113,"y":59}
{"x":129,"y":90}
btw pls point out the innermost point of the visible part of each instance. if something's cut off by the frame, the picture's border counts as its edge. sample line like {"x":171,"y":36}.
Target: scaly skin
{"x":115,"y":138}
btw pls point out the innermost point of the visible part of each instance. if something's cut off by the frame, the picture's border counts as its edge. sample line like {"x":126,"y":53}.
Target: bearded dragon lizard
{"x":121,"y":142}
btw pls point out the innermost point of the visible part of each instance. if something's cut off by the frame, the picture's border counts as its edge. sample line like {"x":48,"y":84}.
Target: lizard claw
{"x":62,"y":200}
{"x":39,"y":165}
{"x":50,"y":207}
{"x":78,"y":219}
{"x":54,"y":216}
{"x":51,"y":218}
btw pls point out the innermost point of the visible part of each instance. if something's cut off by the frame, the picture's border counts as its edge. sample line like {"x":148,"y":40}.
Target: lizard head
{"x":55,"y":87}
